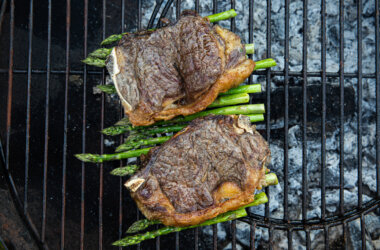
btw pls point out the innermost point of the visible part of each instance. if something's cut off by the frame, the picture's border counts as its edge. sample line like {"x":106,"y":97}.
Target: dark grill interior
{"x":48,"y":112}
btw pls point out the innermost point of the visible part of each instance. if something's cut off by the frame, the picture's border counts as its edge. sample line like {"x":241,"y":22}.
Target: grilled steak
{"x":176,"y":70}
{"x":212,"y":166}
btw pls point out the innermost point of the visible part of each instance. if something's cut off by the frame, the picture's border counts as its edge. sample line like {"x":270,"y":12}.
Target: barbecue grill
{"x":49,"y":112}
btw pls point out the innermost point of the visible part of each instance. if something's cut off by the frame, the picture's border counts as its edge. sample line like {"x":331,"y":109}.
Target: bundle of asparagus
{"x":142,"y":136}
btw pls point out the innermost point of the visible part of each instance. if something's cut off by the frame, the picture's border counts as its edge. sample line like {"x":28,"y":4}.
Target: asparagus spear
{"x":110,"y":157}
{"x":141,"y":225}
{"x":252,"y":88}
{"x":137,"y":133}
{"x":231,"y":110}
{"x":249,"y":48}
{"x":260,"y":198}
{"x":142,"y":142}
{"x":123,"y":171}
{"x":230,"y":100}
{"x":213,"y":18}
{"x":248,"y":109}
{"x":264,"y":64}
{"x":108,"y":89}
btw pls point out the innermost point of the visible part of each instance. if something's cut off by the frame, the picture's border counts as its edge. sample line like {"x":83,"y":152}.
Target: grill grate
{"x":65,"y":196}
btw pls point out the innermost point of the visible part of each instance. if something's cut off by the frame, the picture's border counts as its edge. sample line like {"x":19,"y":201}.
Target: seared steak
{"x":176,"y":70}
{"x":210,"y":167}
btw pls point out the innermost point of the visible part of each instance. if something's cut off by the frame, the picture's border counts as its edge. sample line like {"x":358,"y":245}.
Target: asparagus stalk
{"x":264,"y":64}
{"x":93,"y":61}
{"x":231,"y":110}
{"x":230,"y":100}
{"x":222,"y":16}
{"x":108,"y":89}
{"x":252,"y":88}
{"x":137,"y":133}
{"x":141,"y":225}
{"x":249,"y":48}
{"x":143,"y":142}
{"x":213,"y":18}
{"x":96,"y":158}
{"x":123,"y":171}
{"x":101,"y":53}
{"x":260,"y":198}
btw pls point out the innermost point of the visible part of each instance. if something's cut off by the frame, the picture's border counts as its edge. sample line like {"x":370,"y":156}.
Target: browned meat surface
{"x":176,"y":70}
{"x":212,"y":166}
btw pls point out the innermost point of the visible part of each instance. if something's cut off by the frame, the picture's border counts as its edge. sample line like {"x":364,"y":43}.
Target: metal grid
{"x":289,"y":226}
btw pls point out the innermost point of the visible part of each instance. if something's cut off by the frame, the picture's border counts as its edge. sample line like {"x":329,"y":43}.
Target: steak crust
{"x":176,"y":70}
{"x":212,"y":166}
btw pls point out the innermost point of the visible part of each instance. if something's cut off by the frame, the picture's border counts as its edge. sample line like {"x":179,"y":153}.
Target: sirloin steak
{"x":212,"y":166}
{"x":176,"y":70}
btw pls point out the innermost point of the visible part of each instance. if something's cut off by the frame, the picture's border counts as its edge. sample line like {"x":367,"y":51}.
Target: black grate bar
{"x":164,"y":12}
{"x":10,"y":83}
{"x":286,"y":111}
{"x":233,"y":223}
{"x":139,"y":15}
{"x":363,"y":235}
{"x":360,"y":97}
{"x":359,"y":90}
{"x":101,"y":179}
{"x":178,"y":13}
{"x":267,"y":106}
{"x":215,"y":226}
{"x":308,"y":241}
{"x":312,"y":224}
{"x":260,"y":72}
{"x":64,"y":146}
{"x":2,"y":11}
{"x":323,"y":121}
{"x":233,"y":233}
{"x":290,"y":239}
{"x":377,"y":98}
{"x":84,"y":118}
{"x":46,"y":139}
{"x":270,"y":238}
{"x":121,"y":138}
{"x":304,"y":114}
{"x":345,"y":234}
{"x":27,"y":133}
{"x":252,"y":235}
{"x":250,"y":31}
{"x":154,"y":14}
{"x":341,"y":99}
{"x":139,"y":26}
{"x":158,"y":242}
{"x":326,"y":232}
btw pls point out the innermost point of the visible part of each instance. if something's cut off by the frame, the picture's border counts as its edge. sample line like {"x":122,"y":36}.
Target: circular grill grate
{"x":69,"y":204}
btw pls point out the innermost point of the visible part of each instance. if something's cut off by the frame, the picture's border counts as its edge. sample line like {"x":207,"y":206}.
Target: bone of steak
{"x":210,"y":167}
{"x":176,"y":70}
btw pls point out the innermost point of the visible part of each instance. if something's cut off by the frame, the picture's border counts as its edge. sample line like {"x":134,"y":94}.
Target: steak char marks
{"x":212,"y":166}
{"x":176,"y":70}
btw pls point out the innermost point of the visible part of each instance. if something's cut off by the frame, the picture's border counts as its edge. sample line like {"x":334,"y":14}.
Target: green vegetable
{"x":123,"y":171}
{"x":260,"y":198}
